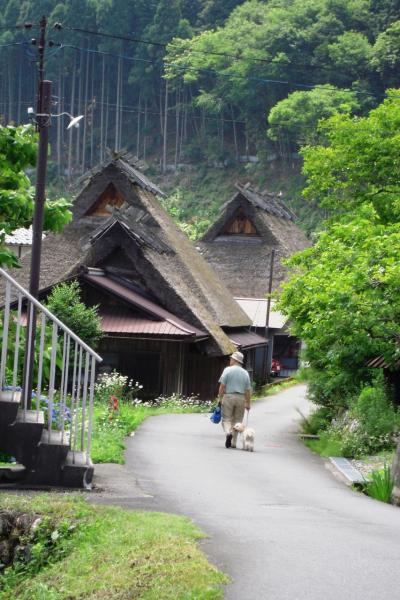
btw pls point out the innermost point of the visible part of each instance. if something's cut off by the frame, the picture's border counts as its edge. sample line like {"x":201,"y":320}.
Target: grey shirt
{"x":235,"y":379}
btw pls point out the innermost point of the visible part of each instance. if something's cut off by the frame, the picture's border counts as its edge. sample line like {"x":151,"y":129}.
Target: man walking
{"x":234,"y":393}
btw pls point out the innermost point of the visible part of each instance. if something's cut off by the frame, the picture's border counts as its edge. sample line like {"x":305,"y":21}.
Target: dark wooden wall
{"x":163,"y":367}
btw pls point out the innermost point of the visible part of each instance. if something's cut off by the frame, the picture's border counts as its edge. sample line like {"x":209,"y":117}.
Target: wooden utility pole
{"x":43,"y":118}
{"x":269,"y":351}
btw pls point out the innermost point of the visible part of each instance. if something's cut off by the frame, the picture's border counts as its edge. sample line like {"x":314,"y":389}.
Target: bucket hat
{"x":238,"y":357}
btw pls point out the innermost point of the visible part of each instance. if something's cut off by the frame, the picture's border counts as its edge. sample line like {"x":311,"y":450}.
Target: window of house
{"x":240,"y":224}
{"x":110,"y":198}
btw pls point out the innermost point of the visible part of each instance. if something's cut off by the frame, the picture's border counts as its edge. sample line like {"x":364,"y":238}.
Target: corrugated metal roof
{"x":380,"y":363}
{"x":148,"y":306}
{"x":256,"y":310}
{"x":123,"y":322}
{"x":247,"y":339}
{"x":20,"y":237}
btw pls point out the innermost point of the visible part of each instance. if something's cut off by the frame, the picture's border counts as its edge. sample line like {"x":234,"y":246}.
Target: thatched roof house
{"x":238,"y":245}
{"x":163,"y":308}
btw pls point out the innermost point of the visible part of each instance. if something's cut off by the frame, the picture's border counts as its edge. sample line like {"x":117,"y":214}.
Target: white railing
{"x":64,"y":369}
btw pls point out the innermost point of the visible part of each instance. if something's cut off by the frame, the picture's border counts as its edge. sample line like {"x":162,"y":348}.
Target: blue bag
{"x":216,"y":415}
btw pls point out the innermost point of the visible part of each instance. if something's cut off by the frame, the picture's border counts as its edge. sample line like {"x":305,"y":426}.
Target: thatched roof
{"x":242,"y":261}
{"x":140,"y":240}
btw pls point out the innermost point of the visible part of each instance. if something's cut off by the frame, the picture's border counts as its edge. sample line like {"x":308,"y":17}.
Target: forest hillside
{"x":203,"y":92}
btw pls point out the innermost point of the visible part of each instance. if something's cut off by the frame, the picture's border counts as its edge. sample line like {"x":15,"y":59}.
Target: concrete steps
{"x":44,"y":457}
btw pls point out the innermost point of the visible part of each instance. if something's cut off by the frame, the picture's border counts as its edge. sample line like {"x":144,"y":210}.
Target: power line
{"x":101,"y":52}
{"x":204,"y":52}
{"x":12,"y":44}
{"x":228,"y":75}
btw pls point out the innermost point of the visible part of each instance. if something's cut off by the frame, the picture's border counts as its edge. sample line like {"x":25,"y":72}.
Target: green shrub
{"x":319,"y":420}
{"x":65,"y":302}
{"x":380,"y":485}
{"x":376,"y":415}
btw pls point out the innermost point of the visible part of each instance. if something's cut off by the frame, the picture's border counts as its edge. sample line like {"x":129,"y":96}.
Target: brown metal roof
{"x":246,"y":339}
{"x":123,"y":322}
{"x":144,"y":304}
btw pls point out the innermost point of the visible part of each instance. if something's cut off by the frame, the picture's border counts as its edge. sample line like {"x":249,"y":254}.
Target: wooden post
{"x":269,"y":353}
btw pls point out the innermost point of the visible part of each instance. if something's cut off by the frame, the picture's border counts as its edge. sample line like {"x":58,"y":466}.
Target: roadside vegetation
{"x":118,"y":411}
{"x":58,"y":547}
{"x":342,"y":297}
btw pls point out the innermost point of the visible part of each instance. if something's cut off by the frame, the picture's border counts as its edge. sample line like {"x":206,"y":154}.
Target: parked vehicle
{"x":275,"y":367}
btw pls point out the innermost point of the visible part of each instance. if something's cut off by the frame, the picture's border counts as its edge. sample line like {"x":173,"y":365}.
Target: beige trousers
{"x":232,"y":413}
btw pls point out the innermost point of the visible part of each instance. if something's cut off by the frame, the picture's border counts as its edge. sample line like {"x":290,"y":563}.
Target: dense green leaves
{"x":65,"y":302}
{"x":299,"y":113}
{"x":360,"y":164}
{"x":17,"y":153}
{"x":343,"y":296}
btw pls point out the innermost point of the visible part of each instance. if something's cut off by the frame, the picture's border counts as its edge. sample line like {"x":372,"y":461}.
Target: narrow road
{"x":280,"y":524}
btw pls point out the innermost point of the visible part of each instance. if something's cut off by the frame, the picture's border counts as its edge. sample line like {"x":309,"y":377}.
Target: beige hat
{"x":238,"y":357}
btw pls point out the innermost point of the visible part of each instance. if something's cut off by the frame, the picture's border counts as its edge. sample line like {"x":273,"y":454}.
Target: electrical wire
{"x":263,"y":80}
{"x":12,"y":44}
{"x":204,"y":52}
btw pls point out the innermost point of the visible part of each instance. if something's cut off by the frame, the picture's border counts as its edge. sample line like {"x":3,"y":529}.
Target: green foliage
{"x":374,"y":412}
{"x":386,"y":57}
{"x":380,"y":485}
{"x":11,"y":348}
{"x":366,"y":428}
{"x":64,"y":301}
{"x":115,"y":553}
{"x":17,"y":153}
{"x":342,"y":296}
{"x":319,"y":420}
{"x":299,"y":113}
{"x":193,"y":226}
{"x":342,"y":299}
{"x":300,"y":42}
{"x":46,"y":544}
{"x":327,"y":445}
{"x":118,"y":412}
{"x":359,"y":165}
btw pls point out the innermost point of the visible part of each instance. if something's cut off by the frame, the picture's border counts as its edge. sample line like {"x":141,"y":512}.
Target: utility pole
{"x":269,"y":347}
{"x":43,"y":121}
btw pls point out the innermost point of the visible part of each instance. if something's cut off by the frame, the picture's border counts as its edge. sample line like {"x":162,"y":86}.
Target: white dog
{"x":247,"y":436}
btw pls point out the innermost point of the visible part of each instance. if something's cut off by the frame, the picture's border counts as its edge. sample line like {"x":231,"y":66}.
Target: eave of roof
{"x":256,"y":309}
{"x":247,"y":339}
{"x":178,"y":326}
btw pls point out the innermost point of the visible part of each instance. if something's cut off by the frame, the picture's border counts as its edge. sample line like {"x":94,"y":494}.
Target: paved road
{"x":280,"y":523}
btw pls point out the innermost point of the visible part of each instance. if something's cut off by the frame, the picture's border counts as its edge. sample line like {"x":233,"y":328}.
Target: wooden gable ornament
{"x":239,"y":224}
{"x":109,"y":198}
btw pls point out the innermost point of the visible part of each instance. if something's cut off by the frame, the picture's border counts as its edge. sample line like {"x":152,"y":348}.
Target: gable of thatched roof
{"x":157,"y":250}
{"x":243,"y":261}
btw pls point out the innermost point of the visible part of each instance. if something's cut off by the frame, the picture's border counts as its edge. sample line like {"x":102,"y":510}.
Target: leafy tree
{"x":342,"y":300}
{"x":65,"y":302}
{"x":342,"y":297}
{"x":17,"y":153}
{"x":360,"y":164}
{"x":351,"y":53}
{"x":386,"y":57}
{"x":297,"y":115}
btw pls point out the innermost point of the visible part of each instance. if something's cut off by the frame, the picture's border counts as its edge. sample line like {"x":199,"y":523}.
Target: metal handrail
{"x":49,"y":314}
{"x":77,"y":370}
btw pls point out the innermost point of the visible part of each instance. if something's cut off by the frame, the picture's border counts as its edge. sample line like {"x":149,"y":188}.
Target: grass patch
{"x":326,"y":445}
{"x":114,"y":554}
{"x":274,"y":388}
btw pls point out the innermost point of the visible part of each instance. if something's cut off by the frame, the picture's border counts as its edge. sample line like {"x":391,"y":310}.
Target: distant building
{"x":239,"y":248}
{"x":20,"y":241}
{"x":168,"y":321}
